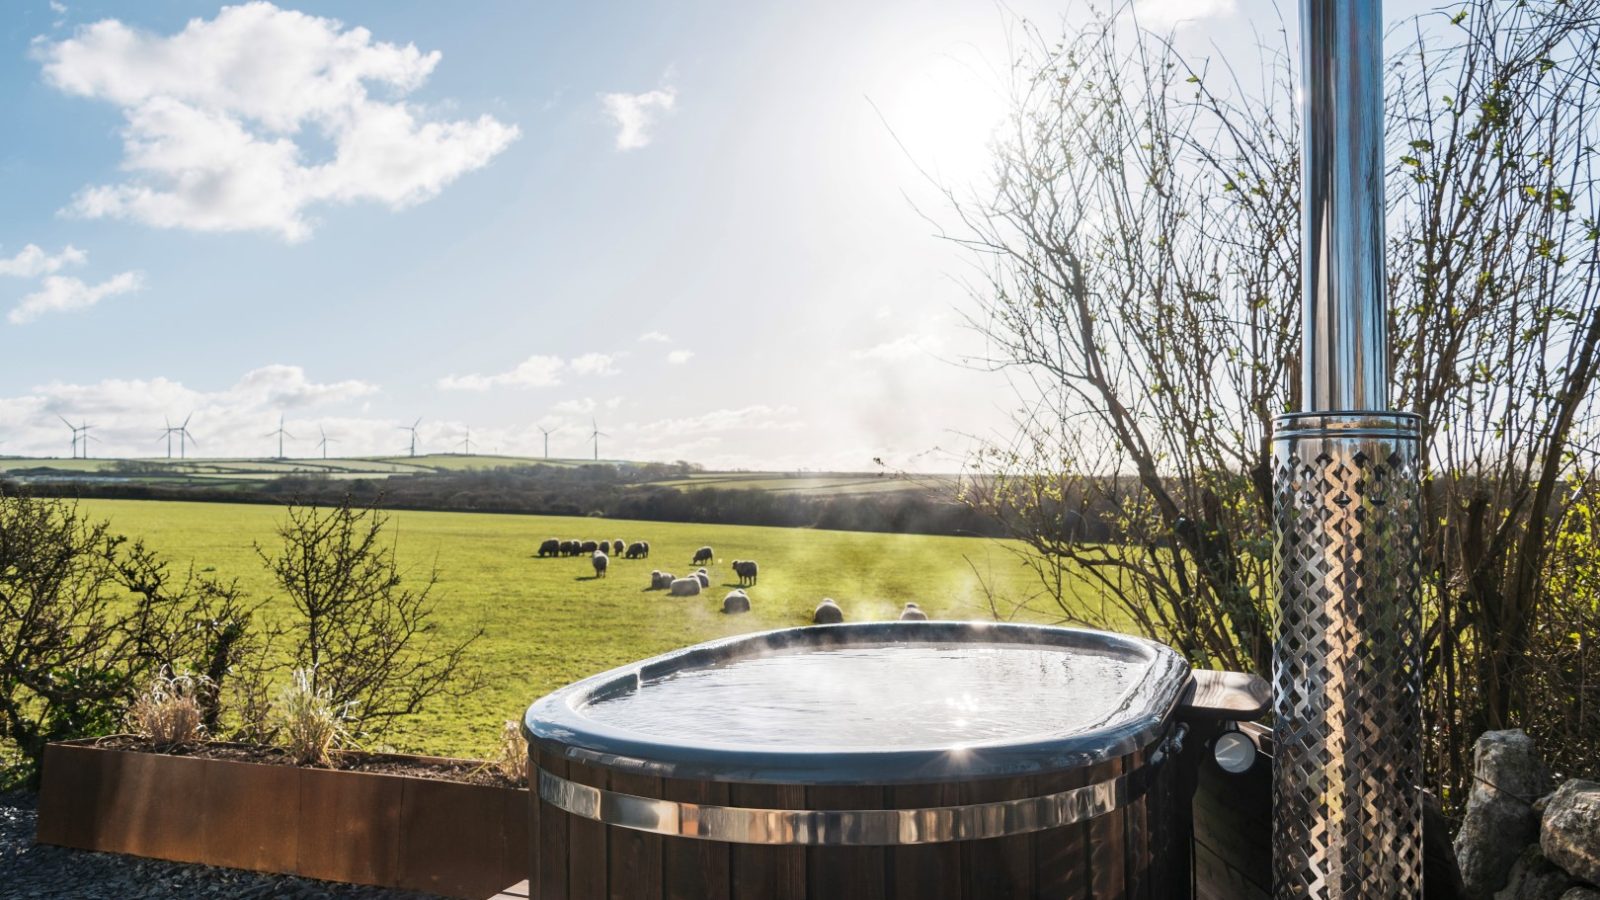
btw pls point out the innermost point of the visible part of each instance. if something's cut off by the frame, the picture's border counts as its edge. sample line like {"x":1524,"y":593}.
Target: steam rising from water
{"x":892,"y":696}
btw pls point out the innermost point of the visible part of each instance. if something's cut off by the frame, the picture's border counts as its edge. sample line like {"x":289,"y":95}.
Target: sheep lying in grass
{"x":637,"y":550}
{"x":827,"y":613}
{"x":660,"y":581}
{"x":600,"y":563}
{"x":685,"y":587}
{"x":747,"y":570}
{"x":737,"y":601}
{"x":913,"y":613}
{"x":552,"y":547}
{"x":705,"y":578}
{"x":704,"y":554}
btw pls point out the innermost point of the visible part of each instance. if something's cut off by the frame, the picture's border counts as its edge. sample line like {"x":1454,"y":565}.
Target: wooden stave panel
{"x":635,"y":865}
{"x":788,"y":872}
{"x":860,"y":873}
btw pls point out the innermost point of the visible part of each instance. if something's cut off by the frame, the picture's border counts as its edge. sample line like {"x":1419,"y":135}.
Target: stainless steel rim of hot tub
{"x":856,"y":827}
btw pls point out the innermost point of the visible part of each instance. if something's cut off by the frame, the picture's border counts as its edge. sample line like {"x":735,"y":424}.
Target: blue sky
{"x":687,"y":221}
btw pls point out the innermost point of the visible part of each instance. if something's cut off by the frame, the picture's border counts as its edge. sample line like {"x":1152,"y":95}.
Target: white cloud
{"x":31,"y":261}
{"x":62,"y":293}
{"x":1162,"y":13}
{"x":654,"y":337}
{"x":636,"y":114}
{"x":218,"y":113}
{"x":595,"y":364}
{"x":533,"y":372}
{"x":679,"y":357}
{"x":127,"y":415}
{"x":902,"y":348}
{"x":57,"y":7}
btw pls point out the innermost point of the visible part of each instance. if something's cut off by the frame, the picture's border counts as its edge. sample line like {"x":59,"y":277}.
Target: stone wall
{"x":1520,"y":840}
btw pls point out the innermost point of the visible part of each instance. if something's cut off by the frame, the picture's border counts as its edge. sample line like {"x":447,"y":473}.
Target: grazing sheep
{"x":737,"y":601}
{"x":616,"y":547}
{"x":566,"y":547}
{"x":703,"y":578}
{"x":600,"y":562}
{"x":686,"y":587}
{"x":747,"y":570}
{"x":828,"y":613}
{"x":552,"y":547}
{"x":704,"y":554}
{"x":588,"y":547}
{"x":636,"y":550}
{"x":646,"y":546}
{"x":913,"y":613}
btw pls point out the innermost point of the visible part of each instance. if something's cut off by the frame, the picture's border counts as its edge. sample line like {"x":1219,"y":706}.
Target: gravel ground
{"x":29,"y":870}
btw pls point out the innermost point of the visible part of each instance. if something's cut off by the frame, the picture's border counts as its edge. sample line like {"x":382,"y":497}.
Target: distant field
{"x":248,"y":474}
{"x":548,"y":622}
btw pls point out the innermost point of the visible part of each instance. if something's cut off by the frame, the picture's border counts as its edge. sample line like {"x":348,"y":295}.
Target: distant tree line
{"x":624,"y":492}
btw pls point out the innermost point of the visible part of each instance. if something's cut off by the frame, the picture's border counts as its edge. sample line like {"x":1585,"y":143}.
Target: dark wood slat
{"x":998,"y":868}
{"x":588,"y":856}
{"x":551,"y":872}
{"x":1229,"y":696}
{"x":855,"y":872}
{"x":1107,"y":855}
{"x":694,"y":869}
{"x":762,"y":872}
{"x":931,"y":871}
{"x":635,"y":863}
{"x":1061,"y":855}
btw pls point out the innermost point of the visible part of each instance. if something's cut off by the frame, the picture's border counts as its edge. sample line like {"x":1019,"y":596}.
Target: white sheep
{"x":737,"y":601}
{"x":704,"y":578}
{"x":685,"y":587}
{"x":913,"y":613}
{"x":827,"y":613}
{"x":600,"y":561}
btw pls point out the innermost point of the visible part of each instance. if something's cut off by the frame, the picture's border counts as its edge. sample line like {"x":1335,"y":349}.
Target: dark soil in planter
{"x":464,"y":771}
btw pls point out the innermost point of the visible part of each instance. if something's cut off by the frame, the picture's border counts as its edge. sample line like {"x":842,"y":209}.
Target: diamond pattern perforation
{"x":1347,"y":804}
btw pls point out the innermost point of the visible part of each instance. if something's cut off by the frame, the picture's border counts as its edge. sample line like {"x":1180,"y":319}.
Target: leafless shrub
{"x":363,"y":632}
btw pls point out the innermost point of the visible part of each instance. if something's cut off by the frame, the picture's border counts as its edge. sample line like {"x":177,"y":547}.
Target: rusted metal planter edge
{"x":400,"y":831}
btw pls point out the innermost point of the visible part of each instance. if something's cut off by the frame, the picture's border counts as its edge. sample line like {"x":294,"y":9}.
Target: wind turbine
{"x":184,"y":437}
{"x":324,"y":442}
{"x":597,"y":435}
{"x":466,"y":442}
{"x":168,"y":435}
{"x":281,"y":434}
{"x":74,"y":434}
{"x":547,"y":433}
{"x":413,"y":429}
{"x":79,"y":432}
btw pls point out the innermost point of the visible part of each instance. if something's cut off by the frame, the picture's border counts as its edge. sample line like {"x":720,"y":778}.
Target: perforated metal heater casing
{"x":1346,"y":659}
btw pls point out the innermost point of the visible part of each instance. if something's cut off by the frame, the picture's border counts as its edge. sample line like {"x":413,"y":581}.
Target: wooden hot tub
{"x":839,"y":761}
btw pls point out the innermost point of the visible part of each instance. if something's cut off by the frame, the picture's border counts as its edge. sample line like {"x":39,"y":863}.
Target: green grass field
{"x":548,"y":622}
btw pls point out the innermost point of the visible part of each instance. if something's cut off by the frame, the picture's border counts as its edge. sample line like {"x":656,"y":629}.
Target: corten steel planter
{"x":400,"y":831}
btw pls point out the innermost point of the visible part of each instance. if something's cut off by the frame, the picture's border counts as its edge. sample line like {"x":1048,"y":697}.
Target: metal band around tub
{"x":846,"y":827}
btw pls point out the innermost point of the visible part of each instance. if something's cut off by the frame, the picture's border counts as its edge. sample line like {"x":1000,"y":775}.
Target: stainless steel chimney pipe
{"x":1346,"y":770}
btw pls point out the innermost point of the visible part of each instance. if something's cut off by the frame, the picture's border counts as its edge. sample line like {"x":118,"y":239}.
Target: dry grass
{"x":169,"y":710}
{"x":511,"y":756}
{"x":310,"y":724}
